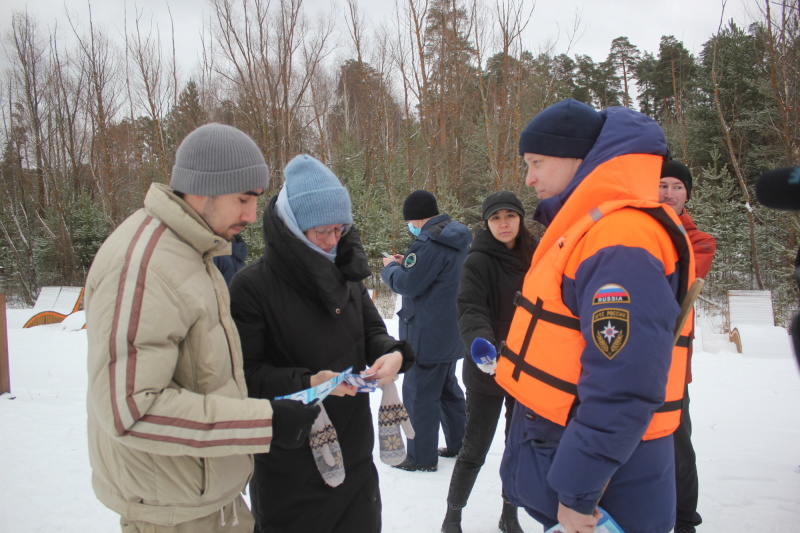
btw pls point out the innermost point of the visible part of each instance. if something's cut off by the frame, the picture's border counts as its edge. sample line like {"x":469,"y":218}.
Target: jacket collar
{"x":309,"y":272}
{"x":624,"y":132}
{"x":486,"y":244}
{"x":686,"y":220}
{"x":162,"y":203}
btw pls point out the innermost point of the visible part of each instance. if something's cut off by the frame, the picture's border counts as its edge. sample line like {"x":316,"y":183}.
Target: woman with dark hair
{"x":492,"y":274}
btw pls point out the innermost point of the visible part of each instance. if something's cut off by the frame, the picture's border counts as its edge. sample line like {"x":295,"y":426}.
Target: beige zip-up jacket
{"x":171,"y":428}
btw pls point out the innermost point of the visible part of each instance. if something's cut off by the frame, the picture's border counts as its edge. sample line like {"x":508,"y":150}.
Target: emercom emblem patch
{"x":610,"y":330}
{"x":410,"y":260}
{"x":611,"y":294}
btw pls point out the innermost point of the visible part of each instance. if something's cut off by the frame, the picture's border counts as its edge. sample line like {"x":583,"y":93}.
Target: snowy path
{"x":746,"y":414}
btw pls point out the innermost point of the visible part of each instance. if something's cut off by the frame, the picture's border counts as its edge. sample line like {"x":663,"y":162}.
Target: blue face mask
{"x":414,"y":231}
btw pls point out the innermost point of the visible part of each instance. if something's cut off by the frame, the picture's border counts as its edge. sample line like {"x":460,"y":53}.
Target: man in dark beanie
{"x":675,"y":189}
{"x":427,"y":278}
{"x":674,"y":169}
{"x":171,"y":429}
{"x":589,"y":355}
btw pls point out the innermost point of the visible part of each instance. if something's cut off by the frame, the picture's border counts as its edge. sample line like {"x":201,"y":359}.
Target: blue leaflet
{"x":320,"y":392}
{"x":606,"y":524}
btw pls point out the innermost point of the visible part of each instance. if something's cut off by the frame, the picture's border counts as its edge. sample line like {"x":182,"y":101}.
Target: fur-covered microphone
{"x":780,"y":188}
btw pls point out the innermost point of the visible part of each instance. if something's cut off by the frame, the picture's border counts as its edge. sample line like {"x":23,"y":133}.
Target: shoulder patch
{"x":610,"y":330}
{"x":611,"y":294}
{"x":410,"y":260}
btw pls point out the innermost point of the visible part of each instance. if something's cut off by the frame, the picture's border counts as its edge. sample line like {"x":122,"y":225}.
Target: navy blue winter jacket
{"x":428,"y":282}
{"x":228,"y":265}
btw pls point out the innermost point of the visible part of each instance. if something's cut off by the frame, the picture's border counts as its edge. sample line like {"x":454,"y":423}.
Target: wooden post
{"x":5,"y":376}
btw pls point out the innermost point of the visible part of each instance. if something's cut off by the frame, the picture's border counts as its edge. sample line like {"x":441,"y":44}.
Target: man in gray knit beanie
{"x":170,"y":426}
{"x":220,"y":172}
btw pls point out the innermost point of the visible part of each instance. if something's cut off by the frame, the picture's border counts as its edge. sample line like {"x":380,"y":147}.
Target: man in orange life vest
{"x":590,"y":355}
{"x":675,"y":190}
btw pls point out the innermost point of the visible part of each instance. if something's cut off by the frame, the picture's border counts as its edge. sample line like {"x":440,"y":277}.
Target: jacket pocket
{"x":224,"y":476}
{"x":406,"y":326}
{"x":535,"y":449}
{"x":206,"y":476}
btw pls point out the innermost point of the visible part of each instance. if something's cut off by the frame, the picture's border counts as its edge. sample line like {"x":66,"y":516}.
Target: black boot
{"x":508,"y":519}
{"x":452,"y":521}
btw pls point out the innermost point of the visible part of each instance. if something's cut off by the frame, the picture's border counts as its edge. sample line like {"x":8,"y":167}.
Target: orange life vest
{"x":540,"y":361}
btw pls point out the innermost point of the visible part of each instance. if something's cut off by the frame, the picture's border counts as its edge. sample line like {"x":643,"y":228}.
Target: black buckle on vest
{"x":683,"y":341}
{"x":516,"y":298}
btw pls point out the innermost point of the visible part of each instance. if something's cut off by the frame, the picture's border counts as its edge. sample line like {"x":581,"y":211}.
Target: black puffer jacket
{"x":491,"y":276}
{"x":297,"y":314}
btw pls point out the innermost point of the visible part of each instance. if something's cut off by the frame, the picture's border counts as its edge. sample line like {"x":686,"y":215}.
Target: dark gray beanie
{"x":502,"y":200}
{"x":420,"y":205}
{"x":216,"y":159}
{"x":316,"y":196}
{"x":566,"y":129}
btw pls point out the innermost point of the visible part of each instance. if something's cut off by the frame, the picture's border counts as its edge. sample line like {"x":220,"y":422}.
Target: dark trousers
{"x":686,"y":485}
{"x":483,"y":413}
{"x":432,"y":396}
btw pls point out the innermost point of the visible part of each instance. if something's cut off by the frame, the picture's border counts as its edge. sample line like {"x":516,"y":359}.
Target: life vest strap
{"x":520,"y":365}
{"x":667,"y":407}
{"x":683,"y":341}
{"x":539,"y":313}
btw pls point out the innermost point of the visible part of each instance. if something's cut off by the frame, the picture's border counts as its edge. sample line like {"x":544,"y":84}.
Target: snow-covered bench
{"x":752,"y":325}
{"x":54,"y":304}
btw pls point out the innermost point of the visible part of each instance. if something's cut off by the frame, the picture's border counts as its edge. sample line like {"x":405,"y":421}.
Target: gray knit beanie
{"x":216,"y":159}
{"x":315,"y":194}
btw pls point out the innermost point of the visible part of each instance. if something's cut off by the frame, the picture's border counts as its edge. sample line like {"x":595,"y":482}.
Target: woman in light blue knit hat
{"x":304,"y":316}
{"x":314,"y":205}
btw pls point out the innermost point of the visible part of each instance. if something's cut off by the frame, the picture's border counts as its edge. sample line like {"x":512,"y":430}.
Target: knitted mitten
{"x":484,"y":354}
{"x":391,"y":416}
{"x":325,"y":447}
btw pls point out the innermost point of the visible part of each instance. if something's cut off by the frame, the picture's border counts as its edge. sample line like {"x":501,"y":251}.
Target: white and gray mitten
{"x":326,"y":450}
{"x":391,"y":416}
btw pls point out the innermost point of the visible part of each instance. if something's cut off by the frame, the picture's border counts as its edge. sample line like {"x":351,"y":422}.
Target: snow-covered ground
{"x":745,"y":409}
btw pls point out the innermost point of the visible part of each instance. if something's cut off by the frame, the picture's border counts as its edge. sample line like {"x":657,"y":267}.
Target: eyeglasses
{"x":339,"y":232}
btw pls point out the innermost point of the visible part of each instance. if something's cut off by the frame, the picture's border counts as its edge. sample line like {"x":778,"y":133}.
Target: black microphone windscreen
{"x":780,"y":188}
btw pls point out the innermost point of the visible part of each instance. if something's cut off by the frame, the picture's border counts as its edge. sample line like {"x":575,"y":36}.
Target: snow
{"x":745,"y":412}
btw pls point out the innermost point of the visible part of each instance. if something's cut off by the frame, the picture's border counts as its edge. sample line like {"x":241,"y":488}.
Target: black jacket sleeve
{"x":264,"y":380}
{"x":474,"y":305}
{"x":378,"y":341}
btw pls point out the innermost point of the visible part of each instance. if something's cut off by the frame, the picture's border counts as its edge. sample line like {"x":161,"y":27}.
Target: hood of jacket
{"x":485,"y":243}
{"x":624,"y":132}
{"x":309,"y":272}
{"x":448,"y":232}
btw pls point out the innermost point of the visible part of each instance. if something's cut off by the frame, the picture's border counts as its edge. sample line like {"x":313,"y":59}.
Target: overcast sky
{"x":642,"y":21}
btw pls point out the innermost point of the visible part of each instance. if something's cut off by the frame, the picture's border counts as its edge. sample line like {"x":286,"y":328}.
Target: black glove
{"x":291,"y":422}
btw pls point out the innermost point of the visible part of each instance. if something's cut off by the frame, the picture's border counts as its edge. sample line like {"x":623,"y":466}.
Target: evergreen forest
{"x":435,"y":99}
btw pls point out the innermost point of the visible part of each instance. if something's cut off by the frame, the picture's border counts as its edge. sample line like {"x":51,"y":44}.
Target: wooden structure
{"x":752,"y":325}
{"x":54,"y":304}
